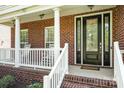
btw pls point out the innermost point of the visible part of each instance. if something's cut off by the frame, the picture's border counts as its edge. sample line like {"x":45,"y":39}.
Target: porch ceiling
{"x":65,"y":10}
{"x":5,"y":7}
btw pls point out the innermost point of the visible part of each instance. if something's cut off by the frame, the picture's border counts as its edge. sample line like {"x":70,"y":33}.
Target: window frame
{"x":48,"y":42}
{"x":26,"y":41}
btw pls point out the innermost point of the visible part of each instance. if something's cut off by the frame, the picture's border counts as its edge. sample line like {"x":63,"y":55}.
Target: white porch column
{"x":56,"y":31}
{"x":17,"y":40}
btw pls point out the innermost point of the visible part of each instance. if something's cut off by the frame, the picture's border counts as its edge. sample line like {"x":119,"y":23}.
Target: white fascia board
{"x":4,"y":19}
{"x":14,"y":9}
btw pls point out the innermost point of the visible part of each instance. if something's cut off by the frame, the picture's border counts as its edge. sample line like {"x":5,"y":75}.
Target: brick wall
{"x":36,"y":31}
{"x":118,"y":25}
{"x":26,"y":76}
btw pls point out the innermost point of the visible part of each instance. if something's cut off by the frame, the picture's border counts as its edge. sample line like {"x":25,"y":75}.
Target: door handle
{"x":100,"y":45}
{"x":111,"y":47}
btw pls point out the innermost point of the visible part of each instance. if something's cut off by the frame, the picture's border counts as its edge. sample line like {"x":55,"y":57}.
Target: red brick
{"x":26,"y":76}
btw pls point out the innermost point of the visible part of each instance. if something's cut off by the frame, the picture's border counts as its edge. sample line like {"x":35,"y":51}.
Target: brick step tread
{"x":90,"y":81}
{"x":67,"y":84}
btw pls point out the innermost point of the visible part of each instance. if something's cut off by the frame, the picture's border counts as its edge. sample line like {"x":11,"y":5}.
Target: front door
{"x":92,"y":48}
{"x":93,"y":40}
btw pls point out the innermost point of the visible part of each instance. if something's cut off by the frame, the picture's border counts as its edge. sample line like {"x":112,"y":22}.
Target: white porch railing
{"x":37,"y":58}
{"x":118,"y":66}
{"x":29,"y":57}
{"x":56,"y":76}
{"x":40,"y":58}
{"x":7,"y":55}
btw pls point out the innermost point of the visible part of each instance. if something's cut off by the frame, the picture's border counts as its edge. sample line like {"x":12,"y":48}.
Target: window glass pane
{"x":106,"y":33}
{"x":78,"y":35}
{"x":92,"y":35}
{"x":106,"y":27}
{"x":49,"y":37}
{"x":78,"y":40}
{"x":24,"y":37}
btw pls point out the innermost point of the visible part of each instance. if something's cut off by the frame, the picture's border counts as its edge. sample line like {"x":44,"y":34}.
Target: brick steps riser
{"x":90,"y":81}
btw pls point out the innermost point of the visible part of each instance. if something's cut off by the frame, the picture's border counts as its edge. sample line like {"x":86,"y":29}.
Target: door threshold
{"x":93,"y":65}
{"x":90,"y":67}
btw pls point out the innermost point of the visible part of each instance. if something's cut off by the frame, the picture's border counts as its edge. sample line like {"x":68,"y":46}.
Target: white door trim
{"x":111,"y":22}
{"x":81,"y":16}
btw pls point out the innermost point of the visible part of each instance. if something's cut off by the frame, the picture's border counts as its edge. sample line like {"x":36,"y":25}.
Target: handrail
{"x":56,"y":76}
{"x":57,"y":62}
{"x":118,"y":66}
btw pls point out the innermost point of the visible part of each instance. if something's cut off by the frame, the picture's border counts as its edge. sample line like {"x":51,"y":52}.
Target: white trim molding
{"x":29,"y":10}
{"x":14,"y":8}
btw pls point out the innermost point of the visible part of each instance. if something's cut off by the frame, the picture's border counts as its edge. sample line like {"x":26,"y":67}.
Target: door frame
{"x":93,"y":14}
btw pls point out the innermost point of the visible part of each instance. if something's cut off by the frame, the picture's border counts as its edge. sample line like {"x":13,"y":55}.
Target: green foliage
{"x":36,"y":85}
{"x":7,"y":81}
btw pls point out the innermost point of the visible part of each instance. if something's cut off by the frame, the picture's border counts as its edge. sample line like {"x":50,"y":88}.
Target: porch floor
{"x":103,"y":73}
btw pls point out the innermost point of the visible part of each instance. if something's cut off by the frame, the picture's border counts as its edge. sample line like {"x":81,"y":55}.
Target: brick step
{"x":67,"y":84}
{"x":73,"y":81}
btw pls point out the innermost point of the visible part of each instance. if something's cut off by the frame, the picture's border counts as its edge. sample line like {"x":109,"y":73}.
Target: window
{"x":49,"y":37}
{"x":78,"y":40}
{"x":106,"y":36}
{"x":24,"y":37}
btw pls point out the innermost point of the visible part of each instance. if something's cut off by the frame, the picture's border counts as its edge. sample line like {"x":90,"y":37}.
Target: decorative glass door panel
{"x":92,"y":40}
{"x":78,"y":40}
{"x":106,"y":38}
{"x":92,"y":35}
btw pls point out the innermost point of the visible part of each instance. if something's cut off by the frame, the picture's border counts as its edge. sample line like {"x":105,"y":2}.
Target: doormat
{"x":90,"y":67}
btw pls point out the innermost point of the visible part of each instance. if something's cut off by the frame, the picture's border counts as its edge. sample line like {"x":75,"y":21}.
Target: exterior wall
{"x":36,"y":30}
{"x":22,"y":75}
{"x":118,"y":25}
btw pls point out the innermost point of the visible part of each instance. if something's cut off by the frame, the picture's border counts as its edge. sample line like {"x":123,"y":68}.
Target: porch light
{"x":90,"y":6}
{"x":41,"y":16}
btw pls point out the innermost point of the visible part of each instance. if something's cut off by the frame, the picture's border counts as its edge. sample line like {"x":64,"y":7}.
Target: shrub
{"x":36,"y":85}
{"x":7,"y":81}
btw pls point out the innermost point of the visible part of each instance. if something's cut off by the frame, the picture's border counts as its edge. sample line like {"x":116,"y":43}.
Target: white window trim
{"x":20,"y":36}
{"x":45,"y":35}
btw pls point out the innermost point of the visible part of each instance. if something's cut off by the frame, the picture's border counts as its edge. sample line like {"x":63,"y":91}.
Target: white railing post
{"x":60,"y":68}
{"x":17,"y":41}
{"x":66,"y":56}
{"x":118,"y":66}
{"x":46,"y":82}
{"x":115,"y":59}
